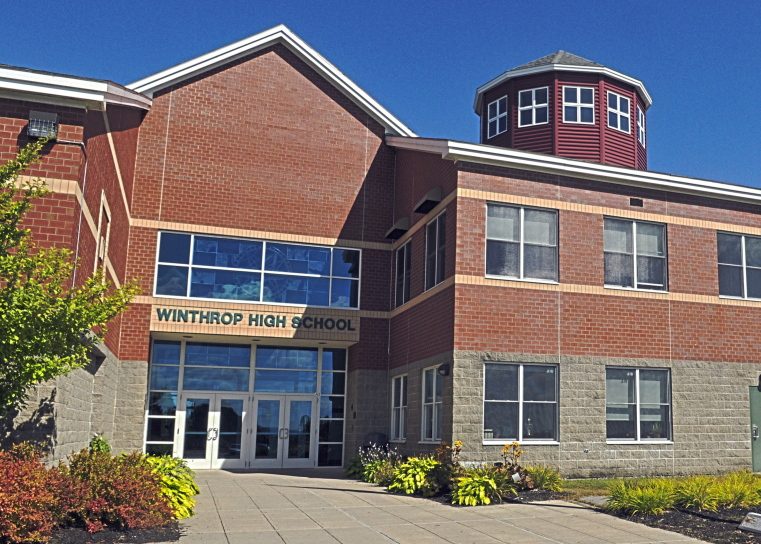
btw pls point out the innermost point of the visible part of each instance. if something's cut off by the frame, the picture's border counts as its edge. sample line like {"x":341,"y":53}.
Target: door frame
{"x":282,"y":460}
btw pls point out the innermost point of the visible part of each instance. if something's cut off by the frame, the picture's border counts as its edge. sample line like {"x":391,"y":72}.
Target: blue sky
{"x":701,"y":60}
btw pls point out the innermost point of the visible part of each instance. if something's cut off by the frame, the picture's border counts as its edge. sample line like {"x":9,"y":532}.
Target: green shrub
{"x":177,"y":482}
{"x":738,"y":489}
{"x":379,"y":471}
{"x":698,"y":492}
{"x":648,"y":497}
{"x":354,"y":468}
{"x":416,"y":476}
{"x":474,"y":488}
{"x":545,"y":477}
{"x":98,"y":443}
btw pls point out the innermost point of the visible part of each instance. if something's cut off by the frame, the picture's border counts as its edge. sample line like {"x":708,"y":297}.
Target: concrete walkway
{"x":257,"y":508}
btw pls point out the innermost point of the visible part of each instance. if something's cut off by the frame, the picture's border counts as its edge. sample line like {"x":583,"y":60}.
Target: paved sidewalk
{"x":259,"y":508}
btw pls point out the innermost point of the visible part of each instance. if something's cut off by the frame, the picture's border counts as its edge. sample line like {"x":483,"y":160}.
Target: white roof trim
{"x":67,"y":89}
{"x":510,"y":158}
{"x":257,"y":42}
{"x":511,"y":74}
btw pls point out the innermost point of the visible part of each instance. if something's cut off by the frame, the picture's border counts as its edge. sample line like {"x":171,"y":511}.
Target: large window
{"x":619,"y":115}
{"x":739,"y":265}
{"x":637,"y":404}
{"x":641,"y":126}
{"x":212,"y":267}
{"x":521,"y":243}
{"x":399,"y":408}
{"x":635,"y":254}
{"x":403,"y":258}
{"x":520,"y":402}
{"x":579,"y":105}
{"x":332,"y":401}
{"x":432,"y":400}
{"x":162,"y":398}
{"x":496,"y":117}
{"x":533,"y":107}
{"x":435,"y":250}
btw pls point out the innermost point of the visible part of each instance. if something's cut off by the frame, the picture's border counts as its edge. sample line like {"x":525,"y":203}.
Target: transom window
{"x":641,"y":126}
{"x":579,"y":105}
{"x":638,"y":404}
{"x":435,"y":251}
{"x":739,"y":265}
{"x":432,"y":401}
{"x":635,"y":254}
{"x":496,"y":117}
{"x":403,"y":270}
{"x":520,"y":402}
{"x":399,"y":408}
{"x":533,"y":107}
{"x":213,"y":267}
{"x":521,"y":243}
{"x":619,"y":116}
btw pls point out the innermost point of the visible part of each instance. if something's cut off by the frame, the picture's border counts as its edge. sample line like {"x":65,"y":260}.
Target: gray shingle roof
{"x":558,"y":57}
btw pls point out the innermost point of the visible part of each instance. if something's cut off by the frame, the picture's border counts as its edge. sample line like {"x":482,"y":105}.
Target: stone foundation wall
{"x":710,"y":410}
{"x":367,"y":409}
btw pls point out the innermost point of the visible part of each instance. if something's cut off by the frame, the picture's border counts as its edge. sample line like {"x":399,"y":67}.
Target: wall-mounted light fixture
{"x":42,"y":125}
{"x":443,"y":370}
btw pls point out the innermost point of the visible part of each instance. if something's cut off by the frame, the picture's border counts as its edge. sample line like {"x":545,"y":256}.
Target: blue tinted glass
{"x":334,"y":359}
{"x":345,"y":293}
{"x":587,"y":115}
{"x":174,"y":248}
{"x":285,"y":381}
{"x":298,"y":259}
{"x":333,"y":383}
{"x":346,"y":263}
{"x":331,"y":407}
{"x":587,"y":96}
{"x":296,"y":289}
{"x":227,"y":252}
{"x":215,"y":379}
{"x":267,"y":357}
{"x":217,"y":354}
{"x":164,"y":377}
{"x":165,"y":353}
{"x":225,"y":284}
{"x":172,"y":281}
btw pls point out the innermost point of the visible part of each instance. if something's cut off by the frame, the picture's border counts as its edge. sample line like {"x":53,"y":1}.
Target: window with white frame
{"x":432,"y":400}
{"x":619,"y":114}
{"x":403,"y":258}
{"x":533,"y":107}
{"x":399,"y":408}
{"x":635,"y":254}
{"x":739,"y":265}
{"x":579,"y":105}
{"x":637,"y":404}
{"x":521,"y":243}
{"x":435,"y":250}
{"x":496,"y":117}
{"x":520,"y":402}
{"x":641,"y":126}
{"x":104,"y":236}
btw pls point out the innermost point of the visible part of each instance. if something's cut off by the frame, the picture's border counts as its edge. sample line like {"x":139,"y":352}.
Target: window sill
{"x":430,"y":442}
{"x":525,"y":280}
{"x":746,"y":299}
{"x":397,"y":441}
{"x":522,"y":443}
{"x":587,"y":123}
{"x":619,"y":130}
{"x":637,"y":289}
{"x":639,"y":442}
{"x":534,"y":124}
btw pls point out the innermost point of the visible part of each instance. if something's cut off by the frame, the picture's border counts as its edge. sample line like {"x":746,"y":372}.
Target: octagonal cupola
{"x":566,"y":105}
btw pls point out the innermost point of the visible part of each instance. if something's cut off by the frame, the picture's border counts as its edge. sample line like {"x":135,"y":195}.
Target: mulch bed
{"x":75,"y":535}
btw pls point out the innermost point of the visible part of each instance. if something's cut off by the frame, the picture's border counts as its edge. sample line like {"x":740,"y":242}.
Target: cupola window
{"x":619,"y":116}
{"x":641,"y":126}
{"x":533,"y":107}
{"x":497,"y":118}
{"x":579,"y":105}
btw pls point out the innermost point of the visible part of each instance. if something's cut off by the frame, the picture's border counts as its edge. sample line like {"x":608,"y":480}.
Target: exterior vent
{"x":401,"y":226}
{"x":429,"y":201}
{"x":42,"y":125}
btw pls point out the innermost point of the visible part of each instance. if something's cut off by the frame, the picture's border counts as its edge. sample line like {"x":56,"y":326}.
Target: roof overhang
{"x":66,"y":90}
{"x":277,"y":35}
{"x":601,"y":70}
{"x":550,"y":164}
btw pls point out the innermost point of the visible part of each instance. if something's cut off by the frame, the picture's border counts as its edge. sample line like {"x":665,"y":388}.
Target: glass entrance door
{"x":211,"y":430}
{"x":284,"y":431}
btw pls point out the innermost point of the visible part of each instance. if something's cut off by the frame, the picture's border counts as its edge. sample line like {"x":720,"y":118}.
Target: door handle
{"x":283,"y":434}
{"x":754,"y":432}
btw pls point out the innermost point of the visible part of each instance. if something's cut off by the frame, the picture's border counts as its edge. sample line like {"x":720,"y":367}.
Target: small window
{"x":638,"y":404}
{"x":399,"y":408}
{"x":435,"y":251}
{"x":520,"y":402}
{"x":618,"y":112}
{"x":533,"y":107}
{"x":635,"y":254}
{"x":497,"y":117}
{"x":579,"y":105}
{"x":403,"y":265}
{"x":641,"y":126}
{"x":739,"y":265}
{"x":104,"y":236}
{"x":521,"y":243}
{"x":432,"y":401}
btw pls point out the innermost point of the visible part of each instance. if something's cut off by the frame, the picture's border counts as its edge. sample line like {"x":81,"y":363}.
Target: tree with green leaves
{"x":48,"y":326}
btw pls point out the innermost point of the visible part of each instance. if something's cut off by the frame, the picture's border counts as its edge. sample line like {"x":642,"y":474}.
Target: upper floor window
{"x":104,"y":236}
{"x":635,"y":254}
{"x":521,"y":243}
{"x":497,"y":117}
{"x":213,"y":267}
{"x":403,"y":258}
{"x":533,"y":107}
{"x":640,"y":126}
{"x":432,"y":401}
{"x":739,"y":265}
{"x":435,"y":250}
{"x":399,"y":408}
{"x":579,"y":105}
{"x":638,"y":404}
{"x":619,"y":115}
